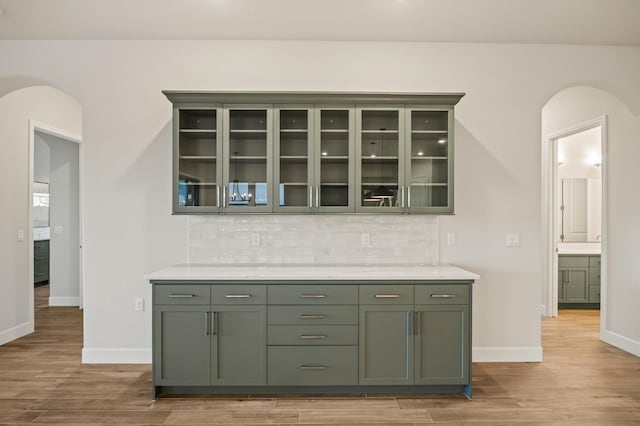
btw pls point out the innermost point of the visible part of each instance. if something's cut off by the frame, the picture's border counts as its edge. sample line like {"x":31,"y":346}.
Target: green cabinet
{"x":40,"y":261}
{"x":578,"y":279}
{"x":312,"y":152}
{"x":199,"y":343}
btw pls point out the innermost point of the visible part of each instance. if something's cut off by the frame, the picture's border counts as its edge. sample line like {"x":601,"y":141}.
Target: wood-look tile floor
{"x":581,"y":381}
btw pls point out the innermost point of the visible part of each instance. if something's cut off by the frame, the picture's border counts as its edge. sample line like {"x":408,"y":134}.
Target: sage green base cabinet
{"x":579,"y":280}
{"x":41,"y":261}
{"x":312,"y":337}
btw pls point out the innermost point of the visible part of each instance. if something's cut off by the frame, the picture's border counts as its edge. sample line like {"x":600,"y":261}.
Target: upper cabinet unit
{"x":263,"y":152}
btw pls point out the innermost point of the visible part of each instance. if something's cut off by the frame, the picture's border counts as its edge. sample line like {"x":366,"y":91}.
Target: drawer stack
{"x":40,"y":261}
{"x":312,"y":335}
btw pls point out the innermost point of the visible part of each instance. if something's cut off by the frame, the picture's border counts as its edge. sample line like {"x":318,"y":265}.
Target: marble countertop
{"x":579,"y":248}
{"x":202,"y":272}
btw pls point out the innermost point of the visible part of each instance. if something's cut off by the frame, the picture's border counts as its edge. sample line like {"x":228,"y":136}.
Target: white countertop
{"x":579,"y":248}
{"x":197,"y":272}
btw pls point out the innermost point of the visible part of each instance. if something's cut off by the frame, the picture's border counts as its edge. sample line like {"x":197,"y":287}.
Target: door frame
{"x":549,"y":222}
{"x":36,"y":126}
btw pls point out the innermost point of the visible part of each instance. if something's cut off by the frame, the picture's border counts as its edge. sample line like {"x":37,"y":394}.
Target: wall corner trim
{"x":506,"y":354}
{"x":16,"y":332}
{"x":116,"y":356}
{"x":621,"y":342}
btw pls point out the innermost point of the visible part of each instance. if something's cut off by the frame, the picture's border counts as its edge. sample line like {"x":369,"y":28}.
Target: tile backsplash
{"x":318,"y":239}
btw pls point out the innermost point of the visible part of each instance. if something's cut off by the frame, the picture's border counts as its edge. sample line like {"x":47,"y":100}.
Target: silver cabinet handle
{"x":313,"y":367}
{"x":312,"y":316}
{"x":181,"y":296}
{"x":409,"y":197}
{"x":387,"y":296}
{"x":224,"y":196}
{"x":206,"y":323}
{"x":39,"y":258}
{"x":317,"y":196}
{"x":238,"y":296}
{"x":310,"y":196}
{"x":443,"y":296}
{"x":313,"y":336}
{"x":217,"y":195}
{"x":402,"y":196}
{"x":313,"y":296}
{"x":418,"y":323}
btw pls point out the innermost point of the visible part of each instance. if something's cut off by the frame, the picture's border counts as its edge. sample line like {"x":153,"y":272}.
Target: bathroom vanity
{"x":311,"y":329}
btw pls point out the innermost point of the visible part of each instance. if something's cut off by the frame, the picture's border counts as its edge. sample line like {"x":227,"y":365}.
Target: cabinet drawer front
{"x":386,"y":294}
{"x":325,"y":365}
{"x":313,"y":294}
{"x":594,"y":294}
{"x":40,"y":248}
{"x":573,"y":261}
{"x":442,"y":294}
{"x":312,"y":335}
{"x":239,"y":294}
{"x":594,"y":276}
{"x":312,"y":315}
{"x":176,"y":294}
{"x":594,"y":261}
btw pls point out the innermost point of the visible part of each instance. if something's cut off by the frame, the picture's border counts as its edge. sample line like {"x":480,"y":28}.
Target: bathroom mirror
{"x":40,"y":205}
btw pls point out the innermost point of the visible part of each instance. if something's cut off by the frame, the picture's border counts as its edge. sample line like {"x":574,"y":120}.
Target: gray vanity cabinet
{"x":574,"y":279}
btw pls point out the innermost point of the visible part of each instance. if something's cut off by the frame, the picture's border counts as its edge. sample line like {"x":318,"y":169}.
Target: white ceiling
{"x":611,"y":22}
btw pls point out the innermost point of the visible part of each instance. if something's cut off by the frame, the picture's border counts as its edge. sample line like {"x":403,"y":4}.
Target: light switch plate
{"x":451,"y":239}
{"x":139,"y":304}
{"x":255,"y":239}
{"x":20,"y":236}
{"x":57,"y":229}
{"x":513,"y":240}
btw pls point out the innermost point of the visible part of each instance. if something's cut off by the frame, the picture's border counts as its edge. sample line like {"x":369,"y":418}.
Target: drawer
{"x":40,"y":249}
{"x":386,"y":294}
{"x":594,"y":261}
{"x":178,"y":294}
{"x":319,"y":365}
{"x":312,"y":315}
{"x":594,"y":294}
{"x":594,"y":276}
{"x":312,"y":335}
{"x":238,"y":294}
{"x":573,"y":261}
{"x":442,"y":294}
{"x":313,"y":294}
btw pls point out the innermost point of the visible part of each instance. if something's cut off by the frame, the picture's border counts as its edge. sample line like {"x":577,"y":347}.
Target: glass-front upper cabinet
{"x":379,"y":149}
{"x":429,"y":152}
{"x":247,"y":152}
{"x":197,"y":154}
{"x":293,"y":152}
{"x":334,"y":160}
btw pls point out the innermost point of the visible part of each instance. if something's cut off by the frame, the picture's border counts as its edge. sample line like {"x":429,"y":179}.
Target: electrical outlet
{"x":138,"y":304}
{"x":513,"y":240}
{"x":451,"y":239}
{"x":366,"y":239}
{"x":255,"y":239}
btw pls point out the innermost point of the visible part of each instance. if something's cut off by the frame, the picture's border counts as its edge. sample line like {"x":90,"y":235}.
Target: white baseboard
{"x":622,"y":342}
{"x":116,"y":356}
{"x":507,"y":354}
{"x":64,"y":301}
{"x":16,"y":332}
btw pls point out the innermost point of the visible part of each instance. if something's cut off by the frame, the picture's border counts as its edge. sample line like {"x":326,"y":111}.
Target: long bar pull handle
{"x":313,"y":336}
{"x":402,"y":196}
{"x":238,"y":296}
{"x":443,"y":296}
{"x":224,"y":196}
{"x":313,"y":367}
{"x":409,"y":323}
{"x":313,"y":316}
{"x":310,"y":196}
{"x":408,"y":197}
{"x":206,"y":323}
{"x":418,"y":323}
{"x":387,"y":296}
{"x":181,"y":296}
{"x":313,"y":296}
{"x":217,"y":195}
{"x":317,"y":196}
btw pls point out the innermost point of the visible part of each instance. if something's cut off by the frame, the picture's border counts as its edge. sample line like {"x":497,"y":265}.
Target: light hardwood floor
{"x":582,"y":381}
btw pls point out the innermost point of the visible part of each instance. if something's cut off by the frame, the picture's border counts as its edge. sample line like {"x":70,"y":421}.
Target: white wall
{"x":129,"y":228}
{"x":578,"y":105}
{"x":42,"y":160}
{"x":44,"y":105}
{"x":64,"y":246}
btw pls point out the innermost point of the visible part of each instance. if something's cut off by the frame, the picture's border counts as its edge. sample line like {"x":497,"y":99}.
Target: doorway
{"x":576,"y":213}
{"x":56,"y":216}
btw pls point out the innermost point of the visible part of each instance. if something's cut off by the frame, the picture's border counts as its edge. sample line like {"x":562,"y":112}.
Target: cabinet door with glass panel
{"x":293,"y":153}
{"x":380,"y":165}
{"x":429,"y":160}
{"x":247,"y":159}
{"x":197,"y":171}
{"x":334,"y":160}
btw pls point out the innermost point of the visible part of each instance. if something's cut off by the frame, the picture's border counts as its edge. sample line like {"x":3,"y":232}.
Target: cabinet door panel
{"x":181,"y":345}
{"x":576,"y":286}
{"x":442,"y":344}
{"x":238,"y":345}
{"x":386,"y":345}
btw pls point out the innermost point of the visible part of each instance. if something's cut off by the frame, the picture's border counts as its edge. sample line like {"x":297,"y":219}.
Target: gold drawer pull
{"x":181,"y":296}
{"x":313,"y":296}
{"x":238,"y":296}
{"x":443,"y":296}
{"x":313,"y":336}
{"x":387,"y":296}
{"x":313,"y":367}
{"x":313,"y":316}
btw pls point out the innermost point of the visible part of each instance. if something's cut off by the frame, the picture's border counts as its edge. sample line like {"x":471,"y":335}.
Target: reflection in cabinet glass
{"x":428,"y":162}
{"x":198,"y":152}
